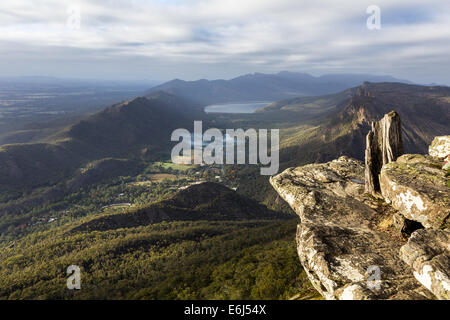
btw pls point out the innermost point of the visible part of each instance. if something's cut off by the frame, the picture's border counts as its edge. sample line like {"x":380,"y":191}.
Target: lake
{"x":244,"y":107}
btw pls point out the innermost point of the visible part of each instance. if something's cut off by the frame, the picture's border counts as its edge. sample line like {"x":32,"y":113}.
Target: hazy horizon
{"x":156,"y":82}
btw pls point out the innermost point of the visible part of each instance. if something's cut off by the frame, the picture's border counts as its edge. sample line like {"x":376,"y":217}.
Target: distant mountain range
{"x":140,"y":129}
{"x":266,"y":87}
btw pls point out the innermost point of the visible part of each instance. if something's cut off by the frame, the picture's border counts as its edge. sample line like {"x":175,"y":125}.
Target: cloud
{"x":263,"y":35}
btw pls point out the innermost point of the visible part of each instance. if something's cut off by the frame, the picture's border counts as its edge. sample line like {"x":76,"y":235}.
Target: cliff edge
{"x":355,"y":244}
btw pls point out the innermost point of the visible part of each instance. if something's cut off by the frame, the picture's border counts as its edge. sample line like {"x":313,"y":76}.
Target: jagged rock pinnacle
{"x":383,"y":145}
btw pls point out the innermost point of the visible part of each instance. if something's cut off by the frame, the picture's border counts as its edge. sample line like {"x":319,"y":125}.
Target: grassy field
{"x":174,"y":166}
{"x":157,"y":177}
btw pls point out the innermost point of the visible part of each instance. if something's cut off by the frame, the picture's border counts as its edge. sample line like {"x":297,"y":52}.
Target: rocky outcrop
{"x":353,"y":245}
{"x":346,"y":237}
{"x":446,"y":164}
{"x":440,"y":147}
{"x":417,"y":187}
{"x":383,"y":145}
{"x":428,"y":253}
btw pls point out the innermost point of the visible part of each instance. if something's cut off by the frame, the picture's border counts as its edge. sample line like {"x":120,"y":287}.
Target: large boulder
{"x":345,"y":237}
{"x":417,"y":187}
{"x":440,"y":147}
{"x":428,"y":253}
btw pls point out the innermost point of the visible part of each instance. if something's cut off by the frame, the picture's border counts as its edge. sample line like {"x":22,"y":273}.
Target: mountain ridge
{"x":205,"y":201}
{"x":424,"y":112}
{"x":137,"y":128}
{"x":270,"y":87}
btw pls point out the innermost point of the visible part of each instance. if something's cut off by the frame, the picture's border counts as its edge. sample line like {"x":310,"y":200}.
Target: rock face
{"x":440,"y":147}
{"x":417,"y":187}
{"x":346,"y":237}
{"x":428,"y":253}
{"x":446,"y":164}
{"x":353,"y":245}
{"x":383,"y":145}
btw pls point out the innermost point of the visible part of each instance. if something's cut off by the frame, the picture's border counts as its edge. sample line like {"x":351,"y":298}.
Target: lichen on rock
{"x":428,"y":253}
{"x":440,"y":147}
{"x":339,"y":238}
{"x":346,"y":233}
{"x":417,"y":187}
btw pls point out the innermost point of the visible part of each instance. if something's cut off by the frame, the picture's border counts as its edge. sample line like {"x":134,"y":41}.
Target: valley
{"x":223,"y":159}
{"x":101,"y":192}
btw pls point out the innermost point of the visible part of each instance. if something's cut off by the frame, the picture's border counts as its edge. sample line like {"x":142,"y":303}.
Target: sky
{"x":212,"y":39}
